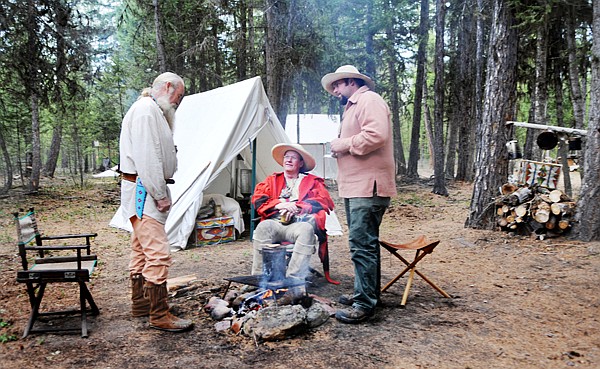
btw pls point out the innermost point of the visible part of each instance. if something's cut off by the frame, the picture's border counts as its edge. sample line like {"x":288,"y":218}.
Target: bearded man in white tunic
{"x":147,"y":161}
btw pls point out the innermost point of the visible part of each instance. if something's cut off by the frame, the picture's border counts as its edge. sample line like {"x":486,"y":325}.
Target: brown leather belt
{"x":129,"y":177}
{"x":133,"y":178}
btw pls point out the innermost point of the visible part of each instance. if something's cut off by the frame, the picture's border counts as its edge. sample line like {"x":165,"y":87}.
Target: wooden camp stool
{"x":423,"y":247}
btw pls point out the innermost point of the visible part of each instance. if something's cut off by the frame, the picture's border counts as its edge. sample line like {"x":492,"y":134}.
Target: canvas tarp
{"x":314,"y":132}
{"x":218,"y":132}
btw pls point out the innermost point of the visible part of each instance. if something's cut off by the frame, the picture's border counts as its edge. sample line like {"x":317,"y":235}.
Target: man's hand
{"x":288,"y":210}
{"x":288,"y":207}
{"x":337,"y":147}
{"x":163,"y":204}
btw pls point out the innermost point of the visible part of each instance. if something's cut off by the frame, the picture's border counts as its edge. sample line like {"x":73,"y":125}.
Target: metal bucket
{"x":246,"y":181}
{"x":547,"y":140}
{"x":514,"y":151}
{"x":274,"y":264}
{"x":575,"y":143}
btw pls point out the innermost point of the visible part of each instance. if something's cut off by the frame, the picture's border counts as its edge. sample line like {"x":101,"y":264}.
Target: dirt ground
{"x":517,"y":302}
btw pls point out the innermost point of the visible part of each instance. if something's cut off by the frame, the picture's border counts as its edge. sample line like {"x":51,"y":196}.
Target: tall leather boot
{"x":160,"y":318}
{"x":140,"y":306}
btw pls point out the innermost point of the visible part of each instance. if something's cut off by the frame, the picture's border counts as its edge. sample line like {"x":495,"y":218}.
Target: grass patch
{"x":4,"y":336}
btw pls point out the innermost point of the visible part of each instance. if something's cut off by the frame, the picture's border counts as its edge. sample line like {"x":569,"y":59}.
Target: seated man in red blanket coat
{"x":292,"y":206}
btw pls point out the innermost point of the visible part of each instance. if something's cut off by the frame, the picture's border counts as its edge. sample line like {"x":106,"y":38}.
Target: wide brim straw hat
{"x":345,"y":71}
{"x":279,"y":150}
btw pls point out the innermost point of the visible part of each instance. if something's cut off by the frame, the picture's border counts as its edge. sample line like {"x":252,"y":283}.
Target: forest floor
{"x":517,"y":302}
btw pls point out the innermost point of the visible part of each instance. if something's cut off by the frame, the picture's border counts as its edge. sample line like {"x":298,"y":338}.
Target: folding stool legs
{"x":407,"y":288}
{"x":411,"y":266}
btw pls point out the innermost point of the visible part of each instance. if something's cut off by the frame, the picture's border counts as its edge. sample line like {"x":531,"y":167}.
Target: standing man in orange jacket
{"x":366,"y":180}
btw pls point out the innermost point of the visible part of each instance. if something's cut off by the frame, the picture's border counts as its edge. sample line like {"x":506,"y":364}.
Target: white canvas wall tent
{"x":217,"y":133}
{"x":314,"y":132}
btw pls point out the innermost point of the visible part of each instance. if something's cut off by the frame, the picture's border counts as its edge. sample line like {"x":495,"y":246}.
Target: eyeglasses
{"x":291,"y":157}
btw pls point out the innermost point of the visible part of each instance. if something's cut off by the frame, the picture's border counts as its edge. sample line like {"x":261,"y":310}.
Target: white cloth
{"x":229,"y":207}
{"x":146,"y":149}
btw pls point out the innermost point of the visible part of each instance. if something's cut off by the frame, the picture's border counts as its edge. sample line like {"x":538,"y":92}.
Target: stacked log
{"x":534,"y":210}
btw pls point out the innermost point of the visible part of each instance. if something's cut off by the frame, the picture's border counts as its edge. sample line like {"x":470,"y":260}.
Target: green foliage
{"x":91,"y":68}
{"x":4,"y":336}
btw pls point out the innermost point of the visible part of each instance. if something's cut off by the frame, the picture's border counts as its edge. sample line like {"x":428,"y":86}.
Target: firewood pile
{"x":535,"y":210}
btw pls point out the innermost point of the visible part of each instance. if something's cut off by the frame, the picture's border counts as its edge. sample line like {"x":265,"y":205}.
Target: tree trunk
{"x":62,"y":24}
{"x":479,"y":71}
{"x":36,"y":163}
{"x":369,"y":30}
{"x":577,"y":80}
{"x":414,"y":154}
{"x":395,"y":106}
{"x":160,"y":43}
{"x":6,"y":173}
{"x":563,"y":151}
{"x":577,"y":99}
{"x":464,"y":117}
{"x":50,"y":166}
{"x":253,"y":67}
{"x":540,"y":95}
{"x":499,"y":96}
{"x":78,"y":152}
{"x":451,"y":145}
{"x":428,"y":125}
{"x":540,"y":102}
{"x":242,"y":42}
{"x":587,"y":227}
{"x":529,"y":133}
{"x":276,"y":60}
{"x":439,"y":185}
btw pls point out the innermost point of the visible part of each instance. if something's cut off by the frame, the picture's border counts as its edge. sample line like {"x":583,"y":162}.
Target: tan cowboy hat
{"x":280,"y":149}
{"x":345,"y":71}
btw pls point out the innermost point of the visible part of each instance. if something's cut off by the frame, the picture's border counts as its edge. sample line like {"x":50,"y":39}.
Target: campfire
{"x":253,"y":309}
{"x":260,"y":299}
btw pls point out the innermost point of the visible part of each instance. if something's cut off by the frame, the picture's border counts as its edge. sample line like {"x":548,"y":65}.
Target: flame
{"x":267,"y":294}
{"x":270,"y":293}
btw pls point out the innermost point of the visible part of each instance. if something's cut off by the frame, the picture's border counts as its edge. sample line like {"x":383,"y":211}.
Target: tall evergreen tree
{"x":492,"y":159}
{"x":587,"y":227}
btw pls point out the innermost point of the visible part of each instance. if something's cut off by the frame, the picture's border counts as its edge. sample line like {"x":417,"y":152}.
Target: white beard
{"x":168,"y":110}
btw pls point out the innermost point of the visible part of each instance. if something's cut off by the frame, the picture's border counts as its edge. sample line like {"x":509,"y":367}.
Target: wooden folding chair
{"x":49,"y":268}
{"x":423,"y":247}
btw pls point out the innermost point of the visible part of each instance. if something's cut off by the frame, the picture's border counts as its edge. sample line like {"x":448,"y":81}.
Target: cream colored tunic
{"x":146,"y":148}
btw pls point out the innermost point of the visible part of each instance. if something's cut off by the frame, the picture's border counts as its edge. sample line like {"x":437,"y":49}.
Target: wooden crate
{"x":213,"y":231}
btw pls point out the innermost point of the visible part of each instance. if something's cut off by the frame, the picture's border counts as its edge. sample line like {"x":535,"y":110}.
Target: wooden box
{"x":213,"y":231}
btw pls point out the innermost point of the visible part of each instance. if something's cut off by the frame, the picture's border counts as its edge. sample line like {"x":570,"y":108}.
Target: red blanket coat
{"x":313,"y":199}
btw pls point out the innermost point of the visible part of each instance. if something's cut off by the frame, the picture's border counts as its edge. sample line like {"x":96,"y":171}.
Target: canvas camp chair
{"x":423,"y":247}
{"x":54,"y":264}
